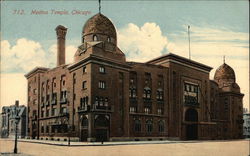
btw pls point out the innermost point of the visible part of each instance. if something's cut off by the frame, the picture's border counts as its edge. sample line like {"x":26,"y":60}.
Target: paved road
{"x":210,"y":148}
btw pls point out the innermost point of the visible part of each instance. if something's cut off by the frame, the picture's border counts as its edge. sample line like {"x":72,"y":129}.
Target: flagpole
{"x":99,"y":6}
{"x":189,"y":42}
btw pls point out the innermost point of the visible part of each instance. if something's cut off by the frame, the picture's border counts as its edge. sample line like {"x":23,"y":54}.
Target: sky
{"x":145,"y":30}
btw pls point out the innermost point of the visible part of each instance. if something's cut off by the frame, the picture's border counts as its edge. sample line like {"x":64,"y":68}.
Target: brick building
{"x":8,"y":125}
{"x":101,"y":96}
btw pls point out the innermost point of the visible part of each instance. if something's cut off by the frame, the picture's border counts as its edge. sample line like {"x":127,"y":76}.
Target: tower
{"x":61,"y":33}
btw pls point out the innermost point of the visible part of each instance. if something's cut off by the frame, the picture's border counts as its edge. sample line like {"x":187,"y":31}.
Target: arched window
{"x":147,"y":93}
{"x":94,"y":38}
{"x":82,"y":39}
{"x":159,"y":94}
{"x":149,"y":126}
{"x":109,"y":39}
{"x":137,"y":125}
{"x":161,"y":126}
{"x":132,"y":92}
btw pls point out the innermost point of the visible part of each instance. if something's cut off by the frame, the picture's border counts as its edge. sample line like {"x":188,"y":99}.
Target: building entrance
{"x":102,"y":128}
{"x":191,"y":116}
{"x":84,"y":134}
{"x":101,"y":135}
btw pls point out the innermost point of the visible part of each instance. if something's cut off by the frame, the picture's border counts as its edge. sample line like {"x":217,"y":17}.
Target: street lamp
{"x":17,"y":118}
{"x":69,"y":130}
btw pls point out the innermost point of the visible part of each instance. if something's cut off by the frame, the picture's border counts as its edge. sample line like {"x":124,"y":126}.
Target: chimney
{"x":17,"y":103}
{"x":61,"y":33}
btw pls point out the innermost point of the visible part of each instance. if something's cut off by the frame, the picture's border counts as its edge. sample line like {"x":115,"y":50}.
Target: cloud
{"x":142,"y":43}
{"x":27,"y":54}
{"x":13,"y":87}
{"x":211,"y":42}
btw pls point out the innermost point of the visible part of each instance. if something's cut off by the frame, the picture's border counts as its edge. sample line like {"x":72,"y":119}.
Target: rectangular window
{"x":47,"y":129}
{"x":42,"y":129}
{"x":47,"y":112}
{"x":34,"y":102}
{"x":84,"y":70}
{"x":64,"y":110}
{"x":159,"y":111}
{"x":53,"y":112}
{"x":132,"y":109}
{"x":101,"y":69}
{"x":84,"y":85}
{"x":191,"y":94}
{"x":42,"y":113}
{"x":102,"y":85}
{"x":147,"y":110}
{"x":35,"y":91}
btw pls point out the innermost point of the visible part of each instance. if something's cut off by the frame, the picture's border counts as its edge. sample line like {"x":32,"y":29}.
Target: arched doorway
{"x":191,"y":115}
{"x":84,"y":128}
{"x":102,"y":127}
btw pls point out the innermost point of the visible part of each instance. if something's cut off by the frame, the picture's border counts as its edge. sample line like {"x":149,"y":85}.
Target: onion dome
{"x":99,"y":28}
{"x":224,"y":73}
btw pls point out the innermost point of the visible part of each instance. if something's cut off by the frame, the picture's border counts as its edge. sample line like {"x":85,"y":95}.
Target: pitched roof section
{"x":37,"y":69}
{"x":176,"y":58}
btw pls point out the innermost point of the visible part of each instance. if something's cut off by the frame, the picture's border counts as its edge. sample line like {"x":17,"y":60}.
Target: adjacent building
{"x":246,"y":125}
{"x":101,"y":96}
{"x":8,"y":125}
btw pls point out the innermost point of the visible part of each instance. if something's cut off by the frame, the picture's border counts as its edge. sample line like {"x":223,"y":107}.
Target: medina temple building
{"x":103,"y":97}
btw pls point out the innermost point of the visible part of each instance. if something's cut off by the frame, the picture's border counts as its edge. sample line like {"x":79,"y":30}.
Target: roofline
{"x":187,"y":61}
{"x":132,"y":63}
{"x":36,"y":69}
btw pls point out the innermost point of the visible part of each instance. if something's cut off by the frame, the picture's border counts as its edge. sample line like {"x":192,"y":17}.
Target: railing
{"x":84,"y":108}
{"x":103,"y":107}
{"x":160,"y":102}
{"x":195,"y":104}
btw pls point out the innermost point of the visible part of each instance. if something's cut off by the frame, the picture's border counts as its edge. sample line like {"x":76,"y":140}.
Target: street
{"x":208,"y":148}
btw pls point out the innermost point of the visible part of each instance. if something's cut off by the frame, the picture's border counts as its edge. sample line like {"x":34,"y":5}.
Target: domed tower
{"x":99,"y":28}
{"x":225,"y":77}
{"x":229,"y":107}
{"x":99,"y":38}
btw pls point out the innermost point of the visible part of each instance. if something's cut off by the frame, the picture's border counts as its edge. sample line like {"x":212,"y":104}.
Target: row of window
{"x":95,"y":38}
{"x":60,"y":129}
{"x":191,"y":88}
{"x":146,"y":93}
{"x":101,"y":101}
{"x":148,"y":126}
{"x":54,"y":112}
{"x":84,"y":101}
{"x":147,"y":110}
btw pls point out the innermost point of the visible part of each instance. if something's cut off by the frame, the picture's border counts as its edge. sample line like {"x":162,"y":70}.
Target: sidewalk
{"x":114,"y":143}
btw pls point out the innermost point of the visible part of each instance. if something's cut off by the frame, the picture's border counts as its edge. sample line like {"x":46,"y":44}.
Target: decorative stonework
{"x":61,"y":32}
{"x":99,"y":24}
{"x":224,"y":72}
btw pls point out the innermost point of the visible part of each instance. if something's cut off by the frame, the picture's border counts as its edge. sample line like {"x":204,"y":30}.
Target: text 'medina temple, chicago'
{"x":103,"y":97}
